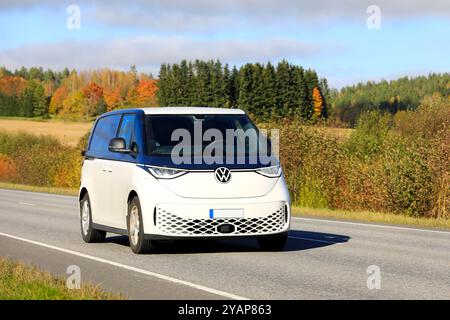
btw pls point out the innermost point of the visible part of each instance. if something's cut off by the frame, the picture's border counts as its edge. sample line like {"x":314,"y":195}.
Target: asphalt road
{"x":324,"y":259}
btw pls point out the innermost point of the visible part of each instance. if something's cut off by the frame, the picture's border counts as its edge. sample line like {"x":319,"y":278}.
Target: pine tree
{"x":284,"y":87}
{"x":27,"y":100}
{"x":246,"y":87}
{"x":233,"y":90}
{"x":269,"y":92}
{"x":162,"y":85}
{"x":40,"y":106}
{"x":326,"y":95}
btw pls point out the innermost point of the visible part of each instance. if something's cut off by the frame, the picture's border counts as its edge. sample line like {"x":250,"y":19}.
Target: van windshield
{"x":197,"y":135}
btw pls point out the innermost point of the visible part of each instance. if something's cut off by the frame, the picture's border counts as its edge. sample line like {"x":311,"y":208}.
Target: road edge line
{"x":130,"y":268}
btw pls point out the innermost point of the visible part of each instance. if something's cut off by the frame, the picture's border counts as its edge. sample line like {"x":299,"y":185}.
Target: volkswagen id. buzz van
{"x":178,"y":173}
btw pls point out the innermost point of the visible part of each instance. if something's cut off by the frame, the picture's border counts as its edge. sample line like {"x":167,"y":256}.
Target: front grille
{"x":173,"y":224}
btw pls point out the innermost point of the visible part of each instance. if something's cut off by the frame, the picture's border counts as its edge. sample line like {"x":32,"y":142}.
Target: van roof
{"x":191,"y":110}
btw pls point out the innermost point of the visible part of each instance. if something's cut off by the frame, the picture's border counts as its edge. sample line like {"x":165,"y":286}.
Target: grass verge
{"x":367,"y":216}
{"x":19,"y":281}
{"x":359,"y":216}
{"x":23,"y":187}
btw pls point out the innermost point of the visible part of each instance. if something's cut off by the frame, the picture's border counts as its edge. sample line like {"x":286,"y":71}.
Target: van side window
{"x":104,"y":131}
{"x":126,"y":130}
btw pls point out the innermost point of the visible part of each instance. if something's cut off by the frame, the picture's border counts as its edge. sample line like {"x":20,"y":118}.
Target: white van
{"x":139,"y":178}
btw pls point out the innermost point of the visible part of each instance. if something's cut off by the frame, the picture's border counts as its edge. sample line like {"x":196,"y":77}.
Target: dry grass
{"x":23,"y":187}
{"x":368,"y":216}
{"x":69,"y":133}
{"x":22,"y":282}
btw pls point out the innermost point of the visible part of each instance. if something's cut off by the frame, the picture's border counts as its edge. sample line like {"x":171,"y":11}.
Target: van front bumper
{"x":172,"y":221}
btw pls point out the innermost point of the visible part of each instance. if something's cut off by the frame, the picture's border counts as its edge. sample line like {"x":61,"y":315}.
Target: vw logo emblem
{"x":222,"y":174}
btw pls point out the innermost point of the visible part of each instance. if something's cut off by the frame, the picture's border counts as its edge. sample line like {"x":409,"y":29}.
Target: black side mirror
{"x":118,"y":145}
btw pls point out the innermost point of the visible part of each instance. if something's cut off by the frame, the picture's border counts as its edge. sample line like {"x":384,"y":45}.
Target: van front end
{"x":169,"y":215}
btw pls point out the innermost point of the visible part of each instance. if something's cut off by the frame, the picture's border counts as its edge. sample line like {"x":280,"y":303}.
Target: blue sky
{"x":329,"y":36}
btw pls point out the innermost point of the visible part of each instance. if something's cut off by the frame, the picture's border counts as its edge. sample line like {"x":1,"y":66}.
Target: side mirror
{"x":118,"y":145}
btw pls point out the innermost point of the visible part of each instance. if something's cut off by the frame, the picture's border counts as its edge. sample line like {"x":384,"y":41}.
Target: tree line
{"x":390,"y":96}
{"x":71,"y":94}
{"x":263,"y":90}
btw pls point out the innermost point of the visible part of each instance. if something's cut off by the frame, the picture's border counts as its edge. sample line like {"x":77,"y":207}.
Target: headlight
{"x":271,"y":172}
{"x":165,"y":173}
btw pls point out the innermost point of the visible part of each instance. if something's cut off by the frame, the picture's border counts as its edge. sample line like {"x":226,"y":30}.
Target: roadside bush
{"x":429,"y":129}
{"x":371,"y":131}
{"x":390,"y":164}
{"x":7,"y":168}
{"x":82,"y":144}
{"x":41,"y":160}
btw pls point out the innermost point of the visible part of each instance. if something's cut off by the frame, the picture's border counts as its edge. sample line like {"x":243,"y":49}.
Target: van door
{"x":121,"y":173}
{"x":100,"y":169}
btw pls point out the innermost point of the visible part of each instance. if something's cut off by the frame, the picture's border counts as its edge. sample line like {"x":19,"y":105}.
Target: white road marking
{"x":130,"y":268}
{"x":27,"y":204}
{"x":372,"y":225}
{"x":317,"y":240}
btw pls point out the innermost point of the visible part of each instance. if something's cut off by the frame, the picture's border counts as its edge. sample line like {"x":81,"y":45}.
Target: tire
{"x":135,"y":227}
{"x":273,"y":243}
{"x":89,"y":234}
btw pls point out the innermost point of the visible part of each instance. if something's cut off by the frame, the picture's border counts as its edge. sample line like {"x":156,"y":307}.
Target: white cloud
{"x":149,"y":52}
{"x":208,"y":15}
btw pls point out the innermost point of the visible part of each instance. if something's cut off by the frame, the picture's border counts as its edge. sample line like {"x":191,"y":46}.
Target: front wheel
{"x":273,"y":243}
{"x":135,"y":225}
{"x":88,"y":232}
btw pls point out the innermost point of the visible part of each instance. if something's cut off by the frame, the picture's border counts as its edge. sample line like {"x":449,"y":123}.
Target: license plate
{"x":226,"y":213}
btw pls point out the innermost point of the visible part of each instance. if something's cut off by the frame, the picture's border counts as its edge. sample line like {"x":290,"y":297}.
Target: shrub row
{"x":394,"y":164}
{"x":38,"y":160}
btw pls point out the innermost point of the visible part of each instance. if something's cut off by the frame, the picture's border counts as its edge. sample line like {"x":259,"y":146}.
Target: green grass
{"x":367,"y":216}
{"x":19,"y":281}
{"x":360,"y":216}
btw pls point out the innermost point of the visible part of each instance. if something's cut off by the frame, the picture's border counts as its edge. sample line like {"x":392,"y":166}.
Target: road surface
{"x":324,"y":259}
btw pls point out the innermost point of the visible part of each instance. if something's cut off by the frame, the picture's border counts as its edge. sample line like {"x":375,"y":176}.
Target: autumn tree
{"x":93,"y":100}
{"x":146,"y":92}
{"x":12,"y":85}
{"x":56,"y":102}
{"x":112,"y":98}
{"x":318,"y":102}
{"x":73,"y":105}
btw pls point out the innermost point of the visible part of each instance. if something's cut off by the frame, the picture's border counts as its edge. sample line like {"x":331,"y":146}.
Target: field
{"x":68,"y":133}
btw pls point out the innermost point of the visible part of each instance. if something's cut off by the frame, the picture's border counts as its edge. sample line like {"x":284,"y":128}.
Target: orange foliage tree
{"x":113,"y":99}
{"x":11,"y":85}
{"x":318,"y":102}
{"x":146,"y":91}
{"x":56,"y":103}
{"x":93,"y":95}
